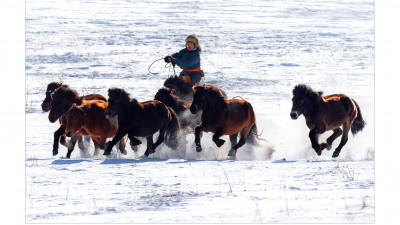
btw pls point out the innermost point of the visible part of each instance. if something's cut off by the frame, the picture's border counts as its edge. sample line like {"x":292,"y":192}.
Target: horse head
{"x":51,"y":87}
{"x":117,"y":99}
{"x":200,"y":99}
{"x":61,"y":100}
{"x":304,"y":99}
{"x":75,"y":116}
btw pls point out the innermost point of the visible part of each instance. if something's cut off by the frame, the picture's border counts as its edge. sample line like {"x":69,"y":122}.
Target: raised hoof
{"x":55,"y":152}
{"x":198,"y":148}
{"x":107,"y":153}
{"x":232,"y":152}
{"x":123,"y":151}
{"x":219,"y":142}
{"x":134,"y":148}
{"x":335,"y":154}
{"x":319,"y":152}
{"x":323,"y":146}
{"x":148,"y":152}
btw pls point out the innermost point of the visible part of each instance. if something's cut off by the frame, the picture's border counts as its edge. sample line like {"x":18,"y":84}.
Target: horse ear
{"x":320,"y":93}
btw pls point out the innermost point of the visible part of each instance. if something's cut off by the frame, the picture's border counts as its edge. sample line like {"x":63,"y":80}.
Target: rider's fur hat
{"x":194,"y":39}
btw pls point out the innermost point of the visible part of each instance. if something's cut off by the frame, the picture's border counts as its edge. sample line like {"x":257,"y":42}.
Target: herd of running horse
{"x":179,"y":108}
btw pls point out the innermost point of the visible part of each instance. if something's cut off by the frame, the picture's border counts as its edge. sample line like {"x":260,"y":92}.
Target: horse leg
{"x":81,"y":145}
{"x":71,"y":145}
{"x":346,"y":128}
{"x":122,"y":145}
{"x":243,"y":136}
{"x":63,"y":140}
{"x":233,"y":139}
{"x":120,"y":133}
{"x":57,"y":134}
{"x":314,"y":141}
{"x":160,"y":139}
{"x":149,"y":149}
{"x":96,"y":147}
{"x":197,"y":136}
{"x":134,"y":142}
{"x":328,"y":145}
{"x":216,"y":137}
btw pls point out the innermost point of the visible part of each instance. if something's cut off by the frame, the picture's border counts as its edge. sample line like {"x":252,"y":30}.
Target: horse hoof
{"x":134,"y":148}
{"x":323,"y":146}
{"x":219,"y":142}
{"x":107,"y":153}
{"x":335,"y":154}
{"x":232,"y":152}
{"x":55,"y":152}
{"x":123,"y":152}
{"x":198,"y":148}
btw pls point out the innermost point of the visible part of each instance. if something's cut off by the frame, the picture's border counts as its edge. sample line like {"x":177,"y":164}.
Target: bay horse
{"x":141,"y":119}
{"x":222,"y":117}
{"x":46,"y":106}
{"x":89,"y":119}
{"x":326,"y":113}
{"x":62,"y":100}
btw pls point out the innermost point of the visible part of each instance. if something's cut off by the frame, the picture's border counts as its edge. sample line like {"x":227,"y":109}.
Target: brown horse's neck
{"x":214,"y":107}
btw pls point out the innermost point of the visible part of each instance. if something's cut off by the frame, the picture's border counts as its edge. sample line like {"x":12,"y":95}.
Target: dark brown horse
{"x":222,"y":117}
{"x":141,"y":119}
{"x":186,"y":119}
{"x":326,"y":113}
{"x":180,"y":88}
{"x":89,"y":119}
{"x":62,"y":100}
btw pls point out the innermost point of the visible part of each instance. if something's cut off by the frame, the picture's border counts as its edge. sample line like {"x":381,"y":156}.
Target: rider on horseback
{"x":188,"y":59}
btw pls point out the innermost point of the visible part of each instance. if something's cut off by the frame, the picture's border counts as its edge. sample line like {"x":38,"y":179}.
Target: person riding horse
{"x":188,"y":59}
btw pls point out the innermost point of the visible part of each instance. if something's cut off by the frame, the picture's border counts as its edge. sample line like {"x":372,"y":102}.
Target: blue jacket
{"x":188,"y":60}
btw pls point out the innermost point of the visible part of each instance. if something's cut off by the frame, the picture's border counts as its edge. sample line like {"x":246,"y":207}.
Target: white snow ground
{"x":258,"y":50}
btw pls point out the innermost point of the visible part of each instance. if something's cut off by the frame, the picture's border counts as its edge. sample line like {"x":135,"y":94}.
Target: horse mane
{"x":165,"y":96}
{"x":54,"y":85}
{"x":303,"y":90}
{"x":64,"y":93}
{"x":212,"y":91}
{"x":122,"y":95}
{"x":181,"y":84}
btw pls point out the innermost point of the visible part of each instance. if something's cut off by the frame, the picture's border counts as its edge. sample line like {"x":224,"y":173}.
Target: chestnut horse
{"x":222,"y":117}
{"x":141,"y":119}
{"x":62,"y":100}
{"x":89,"y":119}
{"x":46,"y":106}
{"x":326,"y":113}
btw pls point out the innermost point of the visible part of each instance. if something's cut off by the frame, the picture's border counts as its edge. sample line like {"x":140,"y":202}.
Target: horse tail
{"x":173,"y":130}
{"x":358,"y":123}
{"x":253,"y":137}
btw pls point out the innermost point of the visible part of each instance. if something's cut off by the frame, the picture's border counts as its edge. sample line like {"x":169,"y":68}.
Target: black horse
{"x":186,"y":119}
{"x":141,"y":120}
{"x":326,"y":113}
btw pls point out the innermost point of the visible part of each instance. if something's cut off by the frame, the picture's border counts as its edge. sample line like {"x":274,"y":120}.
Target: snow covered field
{"x":258,"y":50}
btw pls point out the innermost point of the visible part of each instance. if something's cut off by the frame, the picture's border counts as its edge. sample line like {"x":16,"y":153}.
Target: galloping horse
{"x":62,"y":100}
{"x":222,"y":117}
{"x":46,"y":106}
{"x":141,"y":119}
{"x":326,"y":113}
{"x":89,"y":119}
{"x":186,"y":119}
